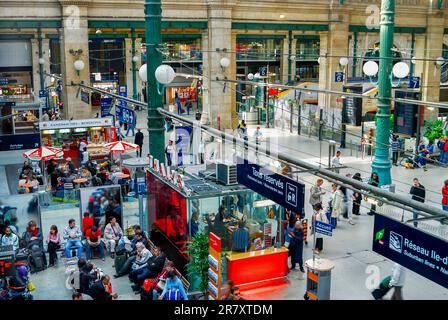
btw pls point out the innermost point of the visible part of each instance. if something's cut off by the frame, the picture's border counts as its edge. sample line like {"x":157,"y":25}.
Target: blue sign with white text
{"x":106,"y":105}
{"x":338,"y":76}
{"x":123,"y":91}
{"x":412,"y":248}
{"x":126,"y":115}
{"x":280,"y":189}
{"x":414,"y":82}
{"x":324,"y":228}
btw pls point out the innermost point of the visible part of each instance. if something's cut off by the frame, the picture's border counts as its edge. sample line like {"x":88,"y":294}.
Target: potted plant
{"x":198,"y":251}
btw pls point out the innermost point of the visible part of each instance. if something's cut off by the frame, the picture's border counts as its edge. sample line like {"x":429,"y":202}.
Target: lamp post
{"x":343,"y":62}
{"x":41,"y":65}
{"x":381,"y":163}
{"x":134,"y":69}
{"x":153,"y":22}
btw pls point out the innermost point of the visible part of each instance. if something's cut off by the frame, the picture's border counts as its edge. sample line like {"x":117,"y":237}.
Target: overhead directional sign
{"x":412,"y":248}
{"x":280,"y":189}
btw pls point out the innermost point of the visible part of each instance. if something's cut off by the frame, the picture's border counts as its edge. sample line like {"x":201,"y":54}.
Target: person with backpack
{"x":174,"y":289}
{"x":34,"y":241}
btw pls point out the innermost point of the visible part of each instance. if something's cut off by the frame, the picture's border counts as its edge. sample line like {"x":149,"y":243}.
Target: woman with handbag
{"x":54,"y":243}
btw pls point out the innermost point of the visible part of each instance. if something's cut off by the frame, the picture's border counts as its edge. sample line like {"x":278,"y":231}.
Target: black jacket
{"x":85,"y":279}
{"x":138,"y":138}
{"x":97,"y":292}
{"x":155,"y":264}
{"x":418,"y":193}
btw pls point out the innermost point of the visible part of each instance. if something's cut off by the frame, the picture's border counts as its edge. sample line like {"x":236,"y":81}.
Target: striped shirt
{"x":241,"y":239}
{"x":395,"y":146}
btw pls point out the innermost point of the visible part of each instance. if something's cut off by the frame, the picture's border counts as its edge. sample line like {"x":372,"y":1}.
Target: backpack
{"x":36,"y":260}
{"x":440,"y":144}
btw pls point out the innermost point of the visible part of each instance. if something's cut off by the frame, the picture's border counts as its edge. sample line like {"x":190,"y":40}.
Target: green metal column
{"x":290,"y":39}
{"x":411,"y":69}
{"x":355,"y":52}
{"x":41,"y":67}
{"x":153,"y":24}
{"x":134,"y":71}
{"x":381,"y":164}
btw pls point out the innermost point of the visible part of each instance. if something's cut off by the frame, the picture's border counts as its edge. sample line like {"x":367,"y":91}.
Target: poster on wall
{"x":183,"y":142}
{"x":102,"y":203}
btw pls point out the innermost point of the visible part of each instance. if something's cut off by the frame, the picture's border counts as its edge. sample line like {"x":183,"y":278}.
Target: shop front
{"x":68,"y":135}
{"x":19,"y":125}
{"x":182,"y":205}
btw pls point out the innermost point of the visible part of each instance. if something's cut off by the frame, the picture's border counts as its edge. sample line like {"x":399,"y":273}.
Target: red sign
{"x":215,"y":242}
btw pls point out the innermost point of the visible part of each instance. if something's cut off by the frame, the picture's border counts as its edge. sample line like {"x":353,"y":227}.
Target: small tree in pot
{"x":198,"y":251}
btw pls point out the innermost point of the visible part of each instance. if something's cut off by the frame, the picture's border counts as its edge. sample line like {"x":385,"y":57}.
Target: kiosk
{"x":68,"y":134}
{"x":180,"y":204}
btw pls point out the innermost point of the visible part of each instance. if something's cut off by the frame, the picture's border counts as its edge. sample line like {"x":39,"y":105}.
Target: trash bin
{"x":318,"y":279}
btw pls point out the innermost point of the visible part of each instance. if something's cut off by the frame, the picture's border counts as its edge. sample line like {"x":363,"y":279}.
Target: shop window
{"x":182,"y":50}
{"x":258,"y":49}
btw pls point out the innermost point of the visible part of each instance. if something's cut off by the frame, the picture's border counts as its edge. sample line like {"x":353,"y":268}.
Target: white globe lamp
{"x":370,"y":68}
{"x":134,"y":59}
{"x":343,"y":61}
{"x":250,"y":76}
{"x":142,"y":73}
{"x":79,"y":65}
{"x":440,"y":61}
{"x":165,"y":74}
{"x":41,"y":60}
{"x":224,"y":62}
{"x":400,"y":70}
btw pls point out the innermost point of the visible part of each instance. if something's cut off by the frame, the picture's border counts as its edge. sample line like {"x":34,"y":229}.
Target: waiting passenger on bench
{"x":154,"y":267}
{"x":241,"y":238}
{"x":112,"y":234}
{"x":93,"y":240}
{"x":10,"y":239}
{"x":137,"y":259}
{"x":72,"y":234}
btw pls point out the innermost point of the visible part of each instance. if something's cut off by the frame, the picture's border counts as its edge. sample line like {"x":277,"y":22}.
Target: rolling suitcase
{"x":120,"y":260}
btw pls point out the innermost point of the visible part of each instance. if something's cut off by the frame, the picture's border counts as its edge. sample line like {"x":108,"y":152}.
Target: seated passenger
{"x":9,"y":238}
{"x":72,"y":234}
{"x":93,"y":241}
{"x":112,"y":234}
{"x":173,"y":283}
{"x":151,"y":270}
{"x":241,"y":238}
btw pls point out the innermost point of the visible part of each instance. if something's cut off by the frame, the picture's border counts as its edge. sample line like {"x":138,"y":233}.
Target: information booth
{"x":181,"y":205}
{"x":68,"y":135}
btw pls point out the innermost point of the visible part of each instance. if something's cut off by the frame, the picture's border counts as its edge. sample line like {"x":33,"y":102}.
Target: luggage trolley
{"x":318,"y":280}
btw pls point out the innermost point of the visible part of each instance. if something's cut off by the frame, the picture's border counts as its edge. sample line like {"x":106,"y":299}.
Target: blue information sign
{"x":126,"y":115}
{"x":43,"y":93}
{"x":324,"y":228}
{"x":414,"y":82}
{"x":19,"y":141}
{"x":123,"y":91}
{"x":280,"y":189}
{"x":338,"y":76}
{"x":263,"y":71}
{"x":416,"y":250}
{"x":106,"y":104}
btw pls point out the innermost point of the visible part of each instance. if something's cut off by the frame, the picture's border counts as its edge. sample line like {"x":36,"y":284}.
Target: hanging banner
{"x":106,"y":106}
{"x":352,"y":106}
{"x":412,"y":248}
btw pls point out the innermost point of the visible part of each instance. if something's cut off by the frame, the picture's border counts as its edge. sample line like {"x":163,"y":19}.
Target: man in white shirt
{"x":336,"y":161}
{"x":258,"y":135}
{"x":85,"y":156}
{"x":397,"y":281}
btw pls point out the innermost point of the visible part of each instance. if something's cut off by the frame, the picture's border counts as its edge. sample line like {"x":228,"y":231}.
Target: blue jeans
{"x":415,"y":216}
{"x":68,"y":247}
{"x":445,"y":207}
{"x":130,"y":127}
{"x":89,"y":249}
{"x":139,"y":275}
{"x":442,"y":156}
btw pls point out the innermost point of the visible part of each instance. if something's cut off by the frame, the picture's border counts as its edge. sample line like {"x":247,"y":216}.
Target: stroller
{"x":17,"y":287}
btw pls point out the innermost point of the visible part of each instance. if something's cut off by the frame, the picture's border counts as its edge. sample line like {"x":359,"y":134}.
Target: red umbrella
{"x":43,"y":153}
{"x":120,"y":147}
